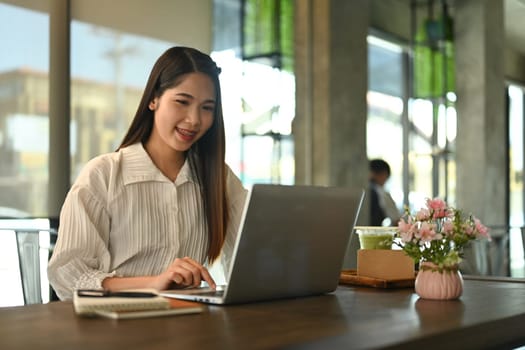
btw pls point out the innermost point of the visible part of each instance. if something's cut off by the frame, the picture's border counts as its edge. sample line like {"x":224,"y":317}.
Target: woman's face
{"x":184,"y":113}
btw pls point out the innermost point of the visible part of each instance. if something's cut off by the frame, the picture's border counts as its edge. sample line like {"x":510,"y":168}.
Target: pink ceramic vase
{"x":438,"y":285}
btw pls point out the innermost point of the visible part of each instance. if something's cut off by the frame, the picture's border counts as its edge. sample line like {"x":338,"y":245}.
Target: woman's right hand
{"x":184,"y":272}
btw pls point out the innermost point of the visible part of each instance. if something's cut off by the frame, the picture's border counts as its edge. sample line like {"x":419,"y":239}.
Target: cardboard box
{"x":384,"y":264}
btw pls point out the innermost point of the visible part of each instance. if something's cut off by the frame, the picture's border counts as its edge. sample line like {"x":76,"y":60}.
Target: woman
{"x":151,"y":214}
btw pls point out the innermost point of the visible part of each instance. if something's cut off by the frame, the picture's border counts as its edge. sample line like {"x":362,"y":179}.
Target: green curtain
{"x":434,"y":69}
{"x":268,"y":31}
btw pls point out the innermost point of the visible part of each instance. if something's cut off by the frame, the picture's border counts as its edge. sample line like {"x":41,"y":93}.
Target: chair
{"x":523,"y":236}
{"x":522,"y":228}
{"x":489,"y":258}
{"x":28,"y":242}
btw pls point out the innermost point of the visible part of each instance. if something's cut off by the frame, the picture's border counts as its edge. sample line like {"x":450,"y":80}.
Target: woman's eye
{"x":182,"y":102}
{"x":209,"y":108}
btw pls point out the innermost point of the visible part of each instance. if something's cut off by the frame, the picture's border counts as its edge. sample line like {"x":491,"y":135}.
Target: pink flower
{"x":427,"y":232}
{"x":438,"y":207}
{"x":406,"y":236}
{"x":423,"y":215}
{"x":406,"y":229}
{"x":405,"y":224}
{"x":438,"y":233}
{"x":482,"y":229}
{"x":448,"y":228}
{"x":469,"y":230}
{"x":436,"y":204}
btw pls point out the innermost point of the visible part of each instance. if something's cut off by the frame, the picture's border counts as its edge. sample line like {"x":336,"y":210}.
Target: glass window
{"x":109,"y":70}
{"x":431,"y":129}
{"x":24,"y":137}
{"x":420,"y":152}
{"x":24,"y":121}
{"x":258,"y":87}
{"x":517,"y":197}
{"x":384,"y":133}
{"x":432,"y":137}
{"x":259,"y":144}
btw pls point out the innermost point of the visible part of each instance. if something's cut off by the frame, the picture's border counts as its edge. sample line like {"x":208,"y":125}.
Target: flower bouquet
{"x":435,"y":237}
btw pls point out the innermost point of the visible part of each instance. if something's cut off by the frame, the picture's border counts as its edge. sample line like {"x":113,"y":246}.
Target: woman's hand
{"x":184,"y":272}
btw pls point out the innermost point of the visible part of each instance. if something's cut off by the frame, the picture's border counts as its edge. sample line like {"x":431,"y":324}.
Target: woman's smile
{"x":185,"y":134}
{"x":183,"y":113}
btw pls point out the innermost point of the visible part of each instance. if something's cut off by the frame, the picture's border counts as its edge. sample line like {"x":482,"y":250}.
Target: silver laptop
{"x":291,"y":243}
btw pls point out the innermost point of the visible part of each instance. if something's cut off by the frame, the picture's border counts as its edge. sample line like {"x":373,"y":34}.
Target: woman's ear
{"x":153,"y":105}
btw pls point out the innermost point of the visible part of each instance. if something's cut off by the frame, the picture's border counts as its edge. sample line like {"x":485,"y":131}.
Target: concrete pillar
{"x":481,"y":129}
{"x":331,"y":72}
{"x":59,"y":106}
{"x":332,"y":79}
{"x":481,"y":146}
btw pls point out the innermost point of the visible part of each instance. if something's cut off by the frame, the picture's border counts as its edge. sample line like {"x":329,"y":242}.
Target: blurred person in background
{"x":383,"y":209}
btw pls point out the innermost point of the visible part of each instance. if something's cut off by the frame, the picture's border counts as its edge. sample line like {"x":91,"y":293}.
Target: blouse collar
{"x":137,"y":166}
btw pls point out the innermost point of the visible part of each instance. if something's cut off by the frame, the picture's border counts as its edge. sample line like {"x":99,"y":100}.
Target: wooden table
{"x":490,"y":314}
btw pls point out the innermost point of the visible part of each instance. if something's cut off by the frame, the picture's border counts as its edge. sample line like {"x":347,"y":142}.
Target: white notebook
{"x":130,"y":304}
{"x":177,"y":307}
{"x":89,"y":302}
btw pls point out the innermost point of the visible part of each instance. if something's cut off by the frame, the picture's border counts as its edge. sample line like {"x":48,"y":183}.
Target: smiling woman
{"x":182,"y":115}
{"x":166,"y":200}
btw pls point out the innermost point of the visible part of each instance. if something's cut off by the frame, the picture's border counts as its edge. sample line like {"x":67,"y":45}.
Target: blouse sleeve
{"x":237,"y":195}
{"x":81,"y":257}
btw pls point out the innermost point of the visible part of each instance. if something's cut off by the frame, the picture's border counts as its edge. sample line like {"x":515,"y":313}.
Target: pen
{"x":96,"y":293}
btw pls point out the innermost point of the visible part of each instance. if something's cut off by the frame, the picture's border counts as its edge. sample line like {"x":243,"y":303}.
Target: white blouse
{"x":123,"y":217}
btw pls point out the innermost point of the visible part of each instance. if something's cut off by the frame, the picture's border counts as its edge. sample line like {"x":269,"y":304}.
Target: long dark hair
{"x":206,"y":156}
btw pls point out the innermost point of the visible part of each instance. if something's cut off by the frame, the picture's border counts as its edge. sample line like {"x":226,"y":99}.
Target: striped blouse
{"x":123,"y":217}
